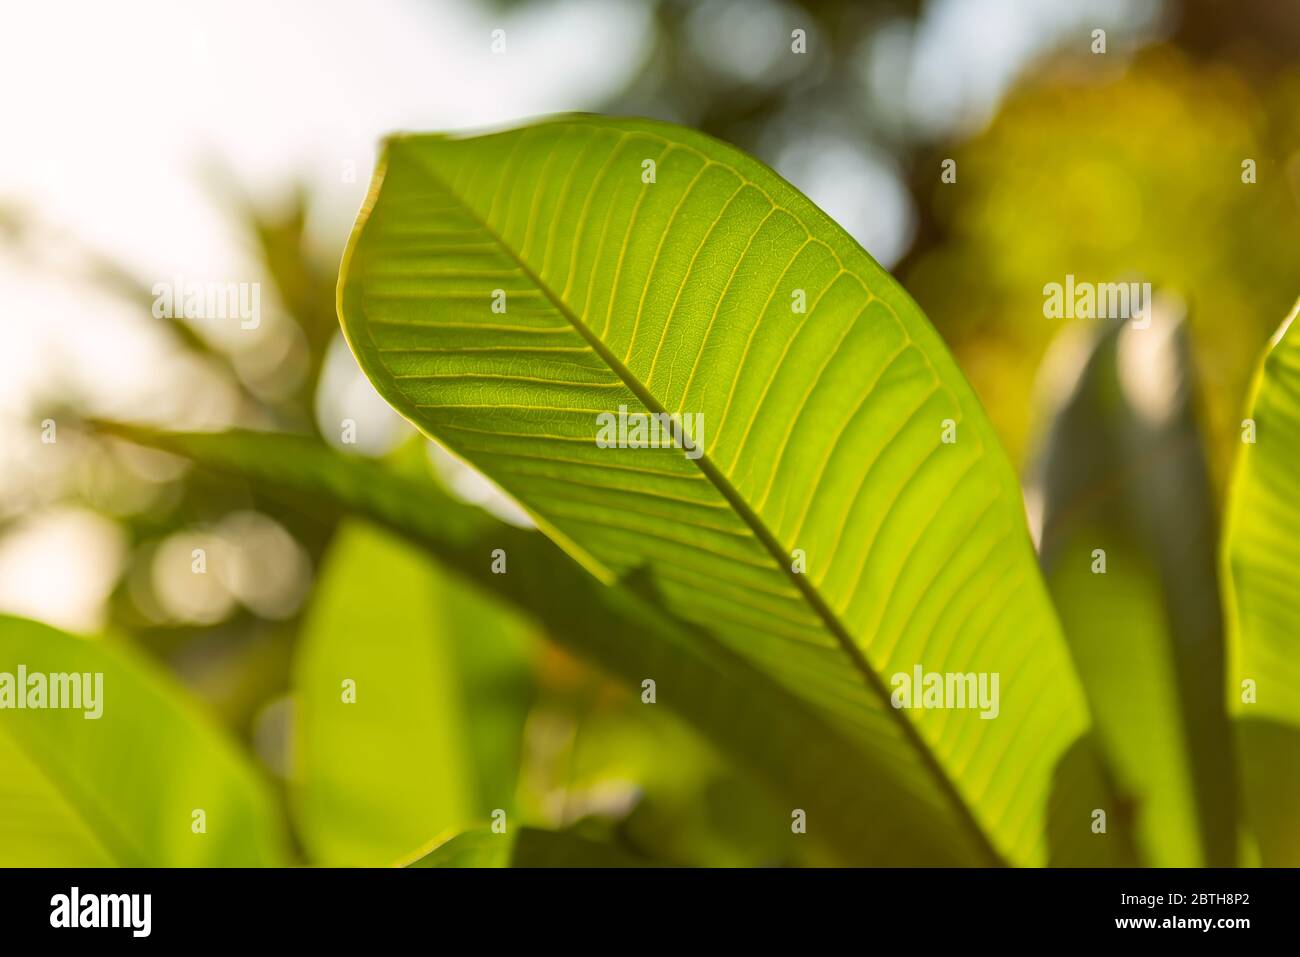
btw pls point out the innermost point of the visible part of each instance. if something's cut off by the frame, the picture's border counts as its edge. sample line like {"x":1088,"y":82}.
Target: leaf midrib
{"x":751,"y":519}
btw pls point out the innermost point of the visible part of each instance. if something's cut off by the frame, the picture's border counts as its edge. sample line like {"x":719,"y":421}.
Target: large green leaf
{"x":425,"y":738}
{"x":856,"y":812}
{"x":1121,"y":470}
{"x":504,"y":291}
{"x":1261,"y":556}
{"x":1262,"y":541}
{"x":122,"y":788}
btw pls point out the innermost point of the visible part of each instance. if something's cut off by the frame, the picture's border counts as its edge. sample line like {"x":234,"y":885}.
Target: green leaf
{"x":670,"y":796}
{"x":122,"y":788}
{"x":39,"y":827}
{"x":525,"y":847}
{"x":862,"y":815}
{"x":1269,"y":756}
{"x":679,"y":293}
{"x":391,"y":659}
{"x":1121,"y":470}
{"x":1262,"y":540}
{"x":1261,"y":555}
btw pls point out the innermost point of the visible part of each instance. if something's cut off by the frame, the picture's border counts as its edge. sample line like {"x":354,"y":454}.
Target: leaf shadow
{"x":1081,"y":787}
{"x":1269,"y":752}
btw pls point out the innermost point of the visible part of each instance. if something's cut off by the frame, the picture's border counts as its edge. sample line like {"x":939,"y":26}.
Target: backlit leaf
{"x":505,"y":292}
{"x":123,"y":788}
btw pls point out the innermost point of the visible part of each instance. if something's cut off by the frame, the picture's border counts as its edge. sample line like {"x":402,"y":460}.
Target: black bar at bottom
{"x":566,"y":907}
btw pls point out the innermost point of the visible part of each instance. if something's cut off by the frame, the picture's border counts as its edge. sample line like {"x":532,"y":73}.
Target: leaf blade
{"x":1261,"y":549}
{"x":135,"y":774}
{"x":399,"y":760}
{"x":1121,"y":468}
{"x":414,"y":317}
{"x":792,"y":748}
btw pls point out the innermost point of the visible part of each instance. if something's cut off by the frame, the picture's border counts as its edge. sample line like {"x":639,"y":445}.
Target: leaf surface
{"x":122,"y":788}
{"x":1262,"y":541}
{"x":823,"y":431}
{"x":1121,"y":477}
{"x":397,"y":757}
{"x":863,"y":816}
{"x":1261,"y":555}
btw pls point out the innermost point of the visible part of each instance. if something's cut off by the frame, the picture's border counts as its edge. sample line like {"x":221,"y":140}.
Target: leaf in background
{"x":596,"y":756}
{"x":525,"y":847}
{"x":130,"y":778}
{"x":860,"y":816}
{"x":1261,"y":556}
{"x":1121,"y":468}
{"x":441,"y":678}
{"x":823,"y":431}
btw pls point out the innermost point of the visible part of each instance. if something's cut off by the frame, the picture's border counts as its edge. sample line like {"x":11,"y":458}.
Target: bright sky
{"x":108,"y":114}
{"x":108,"y":111}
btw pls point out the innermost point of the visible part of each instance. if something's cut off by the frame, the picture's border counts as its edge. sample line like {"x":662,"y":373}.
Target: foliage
{"x":856,"y":447}
{"x":522,"y":693}
{"x":1259,"y":560}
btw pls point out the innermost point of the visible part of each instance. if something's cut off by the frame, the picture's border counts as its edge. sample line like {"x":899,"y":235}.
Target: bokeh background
{"x":233,"y":142}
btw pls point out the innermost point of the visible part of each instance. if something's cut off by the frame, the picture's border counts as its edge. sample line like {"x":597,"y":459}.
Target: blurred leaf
{"x":525,"y":847}
{"x":1121,"y":469}
{"x":39,"y":826}
{"x":122,"y":788}
{"x":801,"y":756}
{"x":1075,"y":797}
{"x":641,"y":773}
{"x":1262,"y":540}
{"x":1269,"y":755}
{"x":1153,"y":191}
{"x":1261,"y":556}
{"x":406,"y":760}
{"x":826,"y":433}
